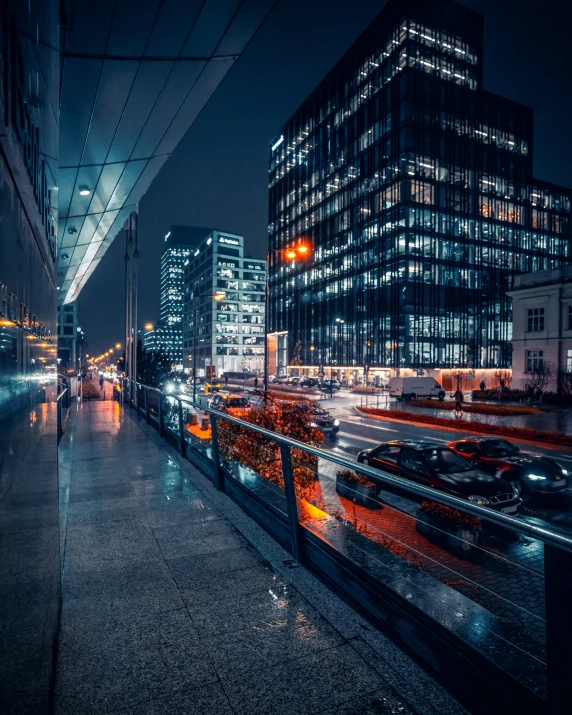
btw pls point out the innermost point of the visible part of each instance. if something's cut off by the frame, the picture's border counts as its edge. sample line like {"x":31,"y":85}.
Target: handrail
{"x":509,"y":522}
{"x":61,"y":394}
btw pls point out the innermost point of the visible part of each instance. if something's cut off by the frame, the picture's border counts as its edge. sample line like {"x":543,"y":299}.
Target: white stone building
{"x":542,"y":325}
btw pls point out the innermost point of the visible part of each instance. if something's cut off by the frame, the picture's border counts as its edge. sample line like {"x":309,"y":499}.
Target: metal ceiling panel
{"x":133,"y":23}
{"x":79,"y":88}
{"x":172,"y":27}
{"x":110,"y":175}
{"x":177,"y":87}
{"x":86,"y":179}
{"x":89,"y":26}
{"x":245,"y":24}
{"x":114,"y":86}
{"x":210,"y":27}
{"x":120,"y":119}
{"x":126,"y":183}
{"x":211,"y":77}
{"x":145,"y":92}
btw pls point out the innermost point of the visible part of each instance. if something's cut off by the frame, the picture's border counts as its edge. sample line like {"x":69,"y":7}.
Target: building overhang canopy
{"x":135,"y":75}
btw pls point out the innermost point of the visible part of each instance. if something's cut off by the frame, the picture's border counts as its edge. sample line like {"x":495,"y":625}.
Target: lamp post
{"x":301,"y":250}
{"x":218,"y":297}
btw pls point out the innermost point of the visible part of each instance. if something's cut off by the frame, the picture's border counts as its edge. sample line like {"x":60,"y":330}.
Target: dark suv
{"x":434,"y":465}
{"x":536,"y":474}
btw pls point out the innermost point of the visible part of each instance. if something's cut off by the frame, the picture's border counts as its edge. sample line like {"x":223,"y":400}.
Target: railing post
{"x":290,"y":491}
{"x":146,"y":405}
{"x":558,"y":587}
{"x":181,"y":428}
{"x":59,"y":418}
{"x":219,"y":473}
{"x":160,"y":411}
{"x":137,"y":397}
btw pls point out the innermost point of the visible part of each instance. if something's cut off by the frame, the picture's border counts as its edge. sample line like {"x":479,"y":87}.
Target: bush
{"x":350,"y":476}
{"x":262,"y":454}
{"x":457,"y":518}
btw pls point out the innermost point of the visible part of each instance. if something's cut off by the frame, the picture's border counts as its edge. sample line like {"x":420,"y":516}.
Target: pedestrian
{"x":101,"y":382}
{"x":529,"y":394}
{"x":502,"y":384}
{"x":255,"y":383}
{"x":483,"y":386}
{"x":538,"y":394}
{"x":458,"y":401}
{"x":226,"y":379}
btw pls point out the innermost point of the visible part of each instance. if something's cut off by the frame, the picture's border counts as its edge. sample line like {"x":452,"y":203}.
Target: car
{"x":330,"y":385}
{"x":281,"y":379}
{"x":310,"y":382}
{"x":435,"y":465}
{"x":229,"y":403}
{"x":294,"y":380}
{"x":537,"y":475}
{"x":320,"y":419}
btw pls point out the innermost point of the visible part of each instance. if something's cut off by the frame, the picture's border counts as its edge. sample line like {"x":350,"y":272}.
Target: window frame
{"x":535,"y":320}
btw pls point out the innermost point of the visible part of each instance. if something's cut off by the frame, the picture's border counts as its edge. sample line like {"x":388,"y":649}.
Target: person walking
{"x":255,"y":383}
{"x":226,"y":380}
{"x":458,"y":402}
{"x":101,"y":383}
{"x":483,"y":386}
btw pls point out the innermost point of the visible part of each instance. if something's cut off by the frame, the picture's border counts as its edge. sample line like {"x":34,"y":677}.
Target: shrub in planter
{"x":444,"y":525}
{"x":356,"y":488}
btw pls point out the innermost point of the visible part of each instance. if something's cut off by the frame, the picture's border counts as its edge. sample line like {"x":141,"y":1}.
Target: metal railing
{"x":63,"y":403}
{"x":354,"y":562}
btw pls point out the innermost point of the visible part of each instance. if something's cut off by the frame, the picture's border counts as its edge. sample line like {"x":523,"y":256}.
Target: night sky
{"x":218,"y":176}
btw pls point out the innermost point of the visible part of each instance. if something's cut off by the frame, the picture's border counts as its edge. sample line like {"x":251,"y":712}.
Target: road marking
{"x":434,"y":439}
{"x":359,"y":437}
{"x":366,"y":424}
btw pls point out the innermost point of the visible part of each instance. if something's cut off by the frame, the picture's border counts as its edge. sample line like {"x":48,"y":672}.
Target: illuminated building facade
{"x":180,"y":243}
{"x":414,"y":187}
{"x":229,"y":332}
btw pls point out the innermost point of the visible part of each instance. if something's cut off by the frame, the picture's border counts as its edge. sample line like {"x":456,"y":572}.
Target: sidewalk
{"x":175,"y":601}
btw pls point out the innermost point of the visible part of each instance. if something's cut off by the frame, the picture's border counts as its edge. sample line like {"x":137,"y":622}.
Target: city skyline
{"x":510,"y":58}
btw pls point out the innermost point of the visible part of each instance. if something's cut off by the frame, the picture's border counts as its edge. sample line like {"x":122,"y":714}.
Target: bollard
{"x":194,"y":419}
{"x":205,"y":423}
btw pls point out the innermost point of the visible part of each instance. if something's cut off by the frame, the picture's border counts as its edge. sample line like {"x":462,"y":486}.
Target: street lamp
{"x":218,"y":296}
{"x":299,"y":251}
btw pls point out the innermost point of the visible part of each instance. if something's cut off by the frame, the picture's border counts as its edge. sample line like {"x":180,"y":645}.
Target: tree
{"x":458,"y":375}
{"x":541,"y":375}
{"x":262,"y":454}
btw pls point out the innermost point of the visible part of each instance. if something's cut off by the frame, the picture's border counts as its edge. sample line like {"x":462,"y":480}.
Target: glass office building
{"x":180,"y":243}
{"x":229,"y":333}
{"x":414,"y":187}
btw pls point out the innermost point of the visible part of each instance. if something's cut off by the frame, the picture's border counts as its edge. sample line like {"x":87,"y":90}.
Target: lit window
{"x":535,"y":322}
{"x":569,"y":361}
{"x":534,"y":360}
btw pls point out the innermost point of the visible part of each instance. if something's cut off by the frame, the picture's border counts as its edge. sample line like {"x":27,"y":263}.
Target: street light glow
{"x":291,"y":254}
{"x":302,"y":249}
{"x":148,"y":326}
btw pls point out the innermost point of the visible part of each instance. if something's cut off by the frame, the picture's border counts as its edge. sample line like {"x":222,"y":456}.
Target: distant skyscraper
{"x":180,"y":241}
{"x":414,"y":187}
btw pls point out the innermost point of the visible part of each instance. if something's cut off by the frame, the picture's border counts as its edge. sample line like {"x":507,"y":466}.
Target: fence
{"x":493,"y":622}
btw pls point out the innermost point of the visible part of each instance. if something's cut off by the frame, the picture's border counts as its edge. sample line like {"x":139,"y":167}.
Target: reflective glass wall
{"x":29,"y":522}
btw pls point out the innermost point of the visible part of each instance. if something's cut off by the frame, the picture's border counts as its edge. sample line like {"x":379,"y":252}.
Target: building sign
{"x":229,"y":241}
{"x":254,"y":267}
{"x":227,"y":264}
{"x":12,"y":311}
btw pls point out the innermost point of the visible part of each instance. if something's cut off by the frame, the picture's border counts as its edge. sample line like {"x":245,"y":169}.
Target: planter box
{"x":442,"y":532}
{"x":360,"y":493}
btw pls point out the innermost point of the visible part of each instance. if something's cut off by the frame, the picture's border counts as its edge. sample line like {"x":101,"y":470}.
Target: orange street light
{"x":219,"y":296}
{"x":118,"y":346}
{"x":148,"y":326}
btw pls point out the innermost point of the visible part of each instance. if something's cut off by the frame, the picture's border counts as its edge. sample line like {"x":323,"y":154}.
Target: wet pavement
{"x":174,"y":601}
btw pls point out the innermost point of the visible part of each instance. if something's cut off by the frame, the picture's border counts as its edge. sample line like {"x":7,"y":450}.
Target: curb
{"x":468,"y":430}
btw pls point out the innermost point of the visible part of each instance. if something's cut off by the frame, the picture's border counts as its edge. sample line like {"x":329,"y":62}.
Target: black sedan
{"x":536,"y":474}
{"x":434,"y":465}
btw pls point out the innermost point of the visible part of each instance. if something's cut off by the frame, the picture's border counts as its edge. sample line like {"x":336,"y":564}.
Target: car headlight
{"x":313,"y":424}
{"x":169,"y":387}
{"x":536,"y":477}
{"x":565,"y":472}
{"x":482,"y":501}
{"x":337,"y":424}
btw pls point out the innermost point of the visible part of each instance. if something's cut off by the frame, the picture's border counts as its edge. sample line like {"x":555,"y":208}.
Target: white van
{"x":408,"y":388}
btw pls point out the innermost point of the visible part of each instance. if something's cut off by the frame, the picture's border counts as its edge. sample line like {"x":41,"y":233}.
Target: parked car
{"x":408,"y":388}
{"x":310,"y":382}
{"x":435,"y":465}
{"x":536,"y":474}
{"x":330,"y":385}
{"x":281,"y":379}
{"x":294,"y":380}
{"x":229,"y":403}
